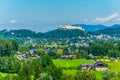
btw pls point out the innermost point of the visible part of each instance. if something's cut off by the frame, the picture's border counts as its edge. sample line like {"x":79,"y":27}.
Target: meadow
{"x":71,"y":63}
{"x":114,"y":66}
{"x":5,"y":74}
{"x":71,"y":66}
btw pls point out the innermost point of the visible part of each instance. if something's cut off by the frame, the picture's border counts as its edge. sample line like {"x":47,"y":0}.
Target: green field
{"x":68,"y":64}
{"x":5,"y":74}
{"x":115,"y":66}
{"x":71,"y":72}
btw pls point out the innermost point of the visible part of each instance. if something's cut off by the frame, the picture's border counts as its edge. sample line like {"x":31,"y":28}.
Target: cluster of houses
{"x":98,"y":66}
{"x":70,"y":56}
{"x":26,"y":56}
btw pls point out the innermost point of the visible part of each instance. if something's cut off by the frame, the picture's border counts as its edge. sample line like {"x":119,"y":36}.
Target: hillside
{"x":66,"y":31}
{"x":110,"y":31}
{"x":91,"y":28}
{"x":21,"y":33}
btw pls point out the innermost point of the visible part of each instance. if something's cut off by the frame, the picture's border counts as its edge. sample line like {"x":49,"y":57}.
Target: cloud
{"x":118,"y":19}
{"x":13,"y":21}
{"x":106,"y":19}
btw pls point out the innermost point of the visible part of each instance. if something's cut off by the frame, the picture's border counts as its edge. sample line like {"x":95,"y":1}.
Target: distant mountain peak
{"x":70,"y":27}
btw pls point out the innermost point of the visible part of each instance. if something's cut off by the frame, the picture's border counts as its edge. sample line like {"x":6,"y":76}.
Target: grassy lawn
{"x":98,"y":74}
{"x":4,"y":74}
{"x":115,"y":66}
{"x":70,"y":63}
{"x":74,"y":64}
{"x":71,"y":72}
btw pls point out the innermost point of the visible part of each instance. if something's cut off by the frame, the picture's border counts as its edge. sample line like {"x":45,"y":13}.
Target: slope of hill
{"x":66,"y":31}
{"x":110,"y":31}
{"x":21,"y":33}
{"x":58,"y":33}
{"x":91,"y":28}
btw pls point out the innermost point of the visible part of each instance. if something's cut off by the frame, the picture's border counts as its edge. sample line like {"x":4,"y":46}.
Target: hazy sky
{"x":44,"y":15}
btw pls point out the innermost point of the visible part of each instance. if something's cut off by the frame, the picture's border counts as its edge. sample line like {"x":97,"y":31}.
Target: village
{"x":98,"y":64}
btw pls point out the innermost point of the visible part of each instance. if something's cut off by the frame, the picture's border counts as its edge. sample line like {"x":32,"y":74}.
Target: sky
{"x":45,"y":15}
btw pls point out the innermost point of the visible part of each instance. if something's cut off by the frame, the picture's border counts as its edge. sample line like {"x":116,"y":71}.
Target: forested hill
{"x":91,"y":28}
{"x":21,"y":33}
{"x":94,"y":28}
{"x":58,"y":33}
{"x":110,"y":31}
{"x":66,"y":31}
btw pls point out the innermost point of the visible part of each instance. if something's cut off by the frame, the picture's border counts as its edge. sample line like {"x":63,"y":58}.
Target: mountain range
{"x":65,"y":31}
{"x":94,"y":28}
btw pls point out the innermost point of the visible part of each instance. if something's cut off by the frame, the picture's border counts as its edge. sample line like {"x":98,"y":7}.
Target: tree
{"x":55,"y":72}
{"x":46,"y":61}
{"x":108,"y":75}
{"x":23,"y":48}
{"x":97,"y":49}
{"x":82,"y":54}
{"x":60,"y":51}
{"x":85,"y":75}
{"x":113,"y":53}
{"x":44,"y":76}
{"x":25,"y":72}
{"x":41,"y":52}
{"x":9,"y":65}
{"x":66,"y":51}
{"x":67,"y":77}
{"x":52,"y":54}
{"x":36,"y":68}
{"x":5,"y":48}
{"x":15,"y":45}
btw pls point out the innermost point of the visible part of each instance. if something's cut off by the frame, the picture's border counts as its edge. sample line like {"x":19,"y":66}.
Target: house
{"x":103,"y":60}
{"x":90,"y":56}
{"x":87,"y":67}
{"x":73,"y":56}
{"x":64,"y":56}
{"x":25,"y":56}
{"x":33,"y":50}
{"x":98,"y":66}
{"x":19,"y":55}
{"x":34,"y":56}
